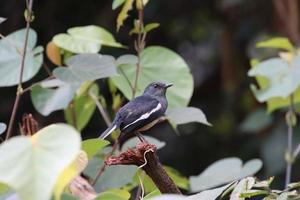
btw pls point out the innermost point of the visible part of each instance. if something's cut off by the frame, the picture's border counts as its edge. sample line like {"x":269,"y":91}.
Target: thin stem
{"x":19,"y":89}
{"x":290,"y":141}
{"x":126,"y":78}
{"x":103,"y":167}
{"x":139,"y":46}
{"x":101,"y":109}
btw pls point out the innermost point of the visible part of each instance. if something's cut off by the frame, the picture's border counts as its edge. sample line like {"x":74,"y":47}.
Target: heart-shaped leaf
{"x":159,"y":63}
{"x":214,"y":174}
{"x":85,"y":39}
{"x":283,"y":78}
{"x":11,"y":48}
{"x":86,"y":67}
{"x":186,"y":115}
{"x":46,"y":100}
{"x":40,"y":160}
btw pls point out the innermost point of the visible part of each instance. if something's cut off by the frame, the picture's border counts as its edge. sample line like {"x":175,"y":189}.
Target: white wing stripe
{"x":145,"y":116}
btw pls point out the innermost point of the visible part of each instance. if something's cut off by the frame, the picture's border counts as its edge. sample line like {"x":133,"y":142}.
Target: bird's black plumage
{"x":141,"y":110}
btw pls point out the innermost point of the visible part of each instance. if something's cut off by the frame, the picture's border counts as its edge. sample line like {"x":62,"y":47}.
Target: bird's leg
{"x":140,"y":136}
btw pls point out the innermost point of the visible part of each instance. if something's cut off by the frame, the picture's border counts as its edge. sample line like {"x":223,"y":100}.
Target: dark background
{"x":216,"y":38}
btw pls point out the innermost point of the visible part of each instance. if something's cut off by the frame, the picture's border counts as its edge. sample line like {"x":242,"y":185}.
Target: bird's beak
{"x":168,"y":85}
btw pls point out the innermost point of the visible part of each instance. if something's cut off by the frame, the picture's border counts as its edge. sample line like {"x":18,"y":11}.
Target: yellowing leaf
{"x":53,"y":53}
{"x":69,"y":173}
{"x":123,"y":14}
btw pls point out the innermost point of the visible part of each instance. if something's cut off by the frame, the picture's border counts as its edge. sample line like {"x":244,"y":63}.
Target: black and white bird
{"x":142,"y":112}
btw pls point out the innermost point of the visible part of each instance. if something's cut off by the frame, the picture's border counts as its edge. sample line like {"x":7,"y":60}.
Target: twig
{"x":101,"y":109}
{"x":145,"y":155}
{"x":126,"y":78}
{"x":290,"y":141}
{"x":103,"y":167}
{"x":19,"y":89}
{"x":139,"y":46}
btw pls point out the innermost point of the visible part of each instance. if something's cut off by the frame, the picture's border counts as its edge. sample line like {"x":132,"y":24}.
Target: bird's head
{"x":157,"y":89}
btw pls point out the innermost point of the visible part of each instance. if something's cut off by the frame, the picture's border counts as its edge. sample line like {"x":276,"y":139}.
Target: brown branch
{"x":144,"y":156}
{"x":81,"y":188}
{"x":19,"y":89}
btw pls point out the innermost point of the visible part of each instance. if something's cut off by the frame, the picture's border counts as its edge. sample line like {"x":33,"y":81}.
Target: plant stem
{"x":139,"y":46}
{"x":290,"y":142}
{"x":19,"y":89}
{"x":101,"y":109}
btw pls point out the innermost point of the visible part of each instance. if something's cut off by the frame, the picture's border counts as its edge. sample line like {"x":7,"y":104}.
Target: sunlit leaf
{"x":152,"y":194}
{"x":151,"y":26}
{"x":41,"y":159}
{"x":186,"y":115}
{"x":69,"y":173}
{"x":11,"y":55}
{"x":123,"y":14}
{"x":85,"y":39}
{"x":159,"y":63}
{"x":114,"y":194}
{"x":283,"y":78}
{"x":277,"y":43}
{"x":66,"y":196}
{"x":86,"y":67}
{"x":92,"y":146}
{"x":53,"y":53}
{"x":2,"y":127}
{"x":214,"y":174}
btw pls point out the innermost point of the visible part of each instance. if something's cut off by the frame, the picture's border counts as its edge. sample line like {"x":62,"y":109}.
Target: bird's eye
{"x":155,"y":85}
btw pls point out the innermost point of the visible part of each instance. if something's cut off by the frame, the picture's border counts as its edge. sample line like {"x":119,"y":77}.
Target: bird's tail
{"x":108,"y":131}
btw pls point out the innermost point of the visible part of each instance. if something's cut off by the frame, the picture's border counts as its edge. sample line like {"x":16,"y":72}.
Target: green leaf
{"x":159,"y":63}
{"x":214,"y":174}
{"x":151,"y":26}
{"x":277,"y":43}
{"x":46,"y":100}
{"x":275,"y":102}
{"x":114,"y":194}
{"x":41,"y":159}
{"x":253,"y":193}
{"x":205,"y":195}
{"x":186,"y":115}
{"x":85,"y":39}
{"x":10,"y":57}
{"x":283,"y":78}
{"x":256,"y":121}
{"x":152,"y":194}
{"x":132,"y":142}
{"x":92,"y":146}
{"x":181,"y":181}
{"x":113,"y":177}
{"x":244,"y":185}
{"x":2,"y":127}
{"x":83,"y":105}
{"x":123,"y":14}
{"x":86,"y":67}
{"x":66,"y":196}
{"x":127,"y":59}
{"x":117,"y":3}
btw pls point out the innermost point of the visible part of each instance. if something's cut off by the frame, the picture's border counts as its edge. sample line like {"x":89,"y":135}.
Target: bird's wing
{"x":139,"y":110}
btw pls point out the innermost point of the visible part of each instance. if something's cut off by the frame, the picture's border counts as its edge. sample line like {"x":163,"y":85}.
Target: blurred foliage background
{"x":217,"y":39}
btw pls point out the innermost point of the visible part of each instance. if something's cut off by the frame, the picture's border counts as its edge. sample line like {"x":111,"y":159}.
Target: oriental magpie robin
{"x":142,"y":111}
